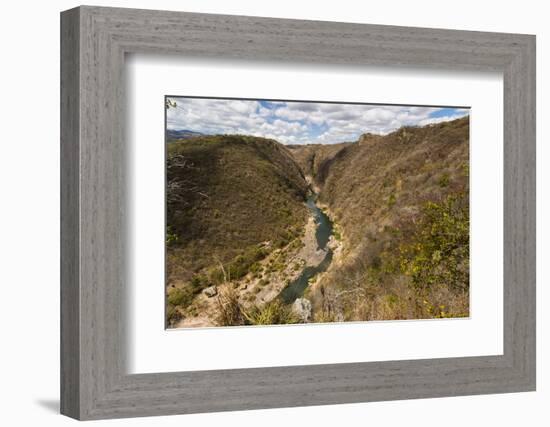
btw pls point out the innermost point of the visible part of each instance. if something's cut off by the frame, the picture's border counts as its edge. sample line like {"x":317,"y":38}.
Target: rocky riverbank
{"x":275,"y":272}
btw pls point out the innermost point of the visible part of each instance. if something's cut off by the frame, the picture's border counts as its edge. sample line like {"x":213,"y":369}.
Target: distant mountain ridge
{"x":173,"y":134}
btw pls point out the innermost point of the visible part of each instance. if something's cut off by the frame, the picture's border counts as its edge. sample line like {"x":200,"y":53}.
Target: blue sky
{"x":299,"y":122}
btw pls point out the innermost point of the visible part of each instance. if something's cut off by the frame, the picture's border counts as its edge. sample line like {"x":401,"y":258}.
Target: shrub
{"x":391,"y":200}
{"x":444,"y":180}
{"x":255,"y":268}
{"x":171,"y":237}
{"x":172,"y":314}
{"x":272,"y":313}
{"x":180,"y":297}
{"x":440,"y":251}
{"x":240,"y":266}
{"x":199,"y":282}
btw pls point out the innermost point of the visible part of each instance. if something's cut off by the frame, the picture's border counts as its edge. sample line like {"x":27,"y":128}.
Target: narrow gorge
{"x":261,"y":233}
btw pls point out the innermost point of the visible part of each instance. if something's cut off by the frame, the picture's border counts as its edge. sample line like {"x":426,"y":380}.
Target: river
{"x":322,"y":234}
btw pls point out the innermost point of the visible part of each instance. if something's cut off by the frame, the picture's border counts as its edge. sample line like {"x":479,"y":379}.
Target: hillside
{"x":315,"y":159}
{"x":231,"y":201}
{"x":401,"y":203}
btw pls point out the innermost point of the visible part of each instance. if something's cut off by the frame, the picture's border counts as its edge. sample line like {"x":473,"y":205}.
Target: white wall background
{"x":29,"y":215}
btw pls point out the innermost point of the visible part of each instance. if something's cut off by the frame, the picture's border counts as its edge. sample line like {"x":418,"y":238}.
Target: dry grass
{"x":231,"y":312}
{"x":393,"y":301}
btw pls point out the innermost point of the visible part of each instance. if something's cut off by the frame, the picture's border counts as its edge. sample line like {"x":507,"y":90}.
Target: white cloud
{"x":299,"y":122}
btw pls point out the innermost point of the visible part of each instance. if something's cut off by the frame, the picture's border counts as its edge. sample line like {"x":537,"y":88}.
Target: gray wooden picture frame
{"x":94,"y":382}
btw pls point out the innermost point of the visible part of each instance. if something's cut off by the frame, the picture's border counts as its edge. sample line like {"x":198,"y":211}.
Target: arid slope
{"x":231,"y":201}
{"x":401,"y":202}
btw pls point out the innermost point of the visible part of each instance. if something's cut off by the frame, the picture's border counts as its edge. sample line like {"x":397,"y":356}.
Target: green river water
{"x":322,"y":234}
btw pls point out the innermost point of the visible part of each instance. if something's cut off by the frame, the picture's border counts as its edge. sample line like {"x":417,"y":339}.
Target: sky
{"x":292,"y":122}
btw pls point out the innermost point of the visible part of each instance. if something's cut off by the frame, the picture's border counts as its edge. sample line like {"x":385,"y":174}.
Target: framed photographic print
{"x":261,"y":213}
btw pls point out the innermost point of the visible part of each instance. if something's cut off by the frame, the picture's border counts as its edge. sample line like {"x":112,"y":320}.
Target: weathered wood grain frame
{"x":94,"y":41}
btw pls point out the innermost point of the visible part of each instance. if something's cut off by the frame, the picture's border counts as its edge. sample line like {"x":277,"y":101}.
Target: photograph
{"x":293,"y":212}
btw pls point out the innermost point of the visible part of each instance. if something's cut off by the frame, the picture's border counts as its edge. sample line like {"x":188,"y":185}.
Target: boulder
{"x":302,"y":309}
{"x":211,"y":291}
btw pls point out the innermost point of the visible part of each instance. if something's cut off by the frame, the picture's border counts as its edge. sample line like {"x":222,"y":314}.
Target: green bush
{"x":392,"y":199}
{"x":440,"y":251}
{"x":171,"y":237}
{"x":199,"y":282}
{"x":444,"y":180}
{"x":272,"y":313}
{"x":255,"y":268}
{"x":181,"y":297}
{"x":242,"y":264}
